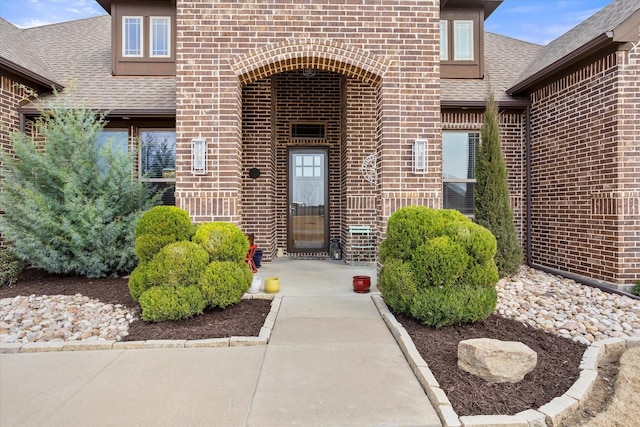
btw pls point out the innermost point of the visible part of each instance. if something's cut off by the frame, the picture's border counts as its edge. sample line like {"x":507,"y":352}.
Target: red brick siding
{"x":225,"y":45}
{"x":578,"y":173}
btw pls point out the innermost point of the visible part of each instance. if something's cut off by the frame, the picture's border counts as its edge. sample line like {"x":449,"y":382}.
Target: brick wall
{"x":227,"y":45}
{"x":585,"y":171}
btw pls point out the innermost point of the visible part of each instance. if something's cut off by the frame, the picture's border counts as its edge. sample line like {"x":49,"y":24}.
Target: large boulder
{"x":496,"y":361}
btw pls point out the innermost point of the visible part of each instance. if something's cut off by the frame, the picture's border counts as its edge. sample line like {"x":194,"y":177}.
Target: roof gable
{"x":612,"y":24}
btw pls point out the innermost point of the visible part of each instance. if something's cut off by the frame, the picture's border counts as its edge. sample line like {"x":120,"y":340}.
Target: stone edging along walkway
{"x":261,"y":339}
{"x":550,"y":414}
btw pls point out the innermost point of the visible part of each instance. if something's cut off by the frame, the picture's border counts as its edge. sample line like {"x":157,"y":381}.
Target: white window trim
{"x":164,"y":18}
{"x":124,"y":36}
{"x":444,"y":41}
{"x":455,"y":40}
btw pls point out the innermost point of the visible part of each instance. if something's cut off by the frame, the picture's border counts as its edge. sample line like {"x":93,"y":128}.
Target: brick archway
{"x":322,"y":54}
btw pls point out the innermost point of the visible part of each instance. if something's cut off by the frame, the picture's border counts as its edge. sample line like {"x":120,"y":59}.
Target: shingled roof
{"x":582,"y":39}
{"x":78,"y":53}
{"x":504,"y":60}
{"x":19,"y":55}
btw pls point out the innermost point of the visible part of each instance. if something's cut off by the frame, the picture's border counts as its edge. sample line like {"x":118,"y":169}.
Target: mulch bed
{"x":557,"y":369}
{"x":558,"y":358}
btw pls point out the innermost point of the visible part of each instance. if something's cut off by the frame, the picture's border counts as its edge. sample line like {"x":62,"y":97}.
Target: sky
{"x":536,"y":21}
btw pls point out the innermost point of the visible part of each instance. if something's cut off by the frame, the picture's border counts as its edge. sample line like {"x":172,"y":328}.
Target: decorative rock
{"x":496,"y":361}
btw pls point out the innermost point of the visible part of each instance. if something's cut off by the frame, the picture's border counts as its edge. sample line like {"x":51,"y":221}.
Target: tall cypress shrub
{"x":70,"y":207}
{"x":492,"y":207}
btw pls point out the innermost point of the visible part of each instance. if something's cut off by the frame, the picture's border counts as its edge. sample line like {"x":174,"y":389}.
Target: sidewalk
{"x":331,"y":361}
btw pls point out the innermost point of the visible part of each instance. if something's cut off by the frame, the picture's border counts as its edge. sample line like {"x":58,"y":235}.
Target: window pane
{"x":459,"y":155}
{"x":458,"y":195}
{"x":444,"y":41}
{"x":463,"y":40}
{"x":160,"y":36}
{"x":132,"y":36}
{"x":118,"y":139}
{"x":158,"y":154}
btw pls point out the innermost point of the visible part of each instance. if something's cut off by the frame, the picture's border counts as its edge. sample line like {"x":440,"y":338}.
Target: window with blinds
{"x":459,"y":158}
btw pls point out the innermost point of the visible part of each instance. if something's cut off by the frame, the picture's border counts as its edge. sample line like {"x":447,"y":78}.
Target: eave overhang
{"x":29,"y":75}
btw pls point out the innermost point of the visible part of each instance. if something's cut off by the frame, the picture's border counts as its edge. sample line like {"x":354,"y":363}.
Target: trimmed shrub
{"x":439,"y":262}
{"x":159,"y":227}
{"x":224,"y":282}
{"x":148,"y":245}
{"x":442,"y":306}
{"x":411,"y":226}
{"x":171,"y":303}
{"x":438,"y":267}
{"x":478,"y":242}
{"x":636,"y":289}
{"x":139,"y":281}
{"x":223,"y":241}
{"x":10,"y":267}
{"x":165,"y":221}
{"x":397,"y":285}
{"x":177,"y":264}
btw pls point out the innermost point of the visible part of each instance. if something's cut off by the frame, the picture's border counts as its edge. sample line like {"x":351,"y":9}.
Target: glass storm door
{"x":308,"y":200}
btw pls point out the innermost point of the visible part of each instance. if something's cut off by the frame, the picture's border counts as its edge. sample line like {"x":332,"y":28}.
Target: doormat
{"x":312,"y":257}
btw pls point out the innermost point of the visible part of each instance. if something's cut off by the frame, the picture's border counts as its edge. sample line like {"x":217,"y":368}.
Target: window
{"x":307,"y":130}
{"x":459,"y":157}
{"x":158,"y":161}
{"x":117,"y":139}
{"x":132,"y":36}
{"x":463,"y":40}
{"x":444,"y":40}
{"x":160,"y":39}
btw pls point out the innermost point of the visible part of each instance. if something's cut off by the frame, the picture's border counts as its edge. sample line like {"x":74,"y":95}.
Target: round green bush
{"x":479,"y":243}
{"x":167,"y":221}
{"x":10,"y":267}
{"x":438,"y":262}
{"x":177,"y":264}
{"x":397,"y":286}
{"x":224,"y":282}
{"x":171,"y":303}
{"x":223,"y":241}
{"x":148,"y":245}
{"x":636,"y":289}
{"x":411,"y":226}
{"x":139,"y":281}
{"x":480,"y":275}
{"x":158,"y":227}
{"x":442,"y":306}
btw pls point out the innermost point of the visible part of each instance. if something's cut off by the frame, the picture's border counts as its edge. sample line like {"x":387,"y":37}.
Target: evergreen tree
{"x":492,"y":207}
{"x":70,"y":207}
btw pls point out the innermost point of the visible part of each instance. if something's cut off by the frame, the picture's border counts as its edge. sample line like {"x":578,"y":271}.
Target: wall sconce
{"x":198,"y":156}
{"x":420,"y":156}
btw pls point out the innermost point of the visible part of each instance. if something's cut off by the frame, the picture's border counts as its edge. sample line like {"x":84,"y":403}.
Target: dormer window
{"x":160,"y":39}
{"x":461,"y":44}
{"x":463,"y":40}
{"x":132,"y":36}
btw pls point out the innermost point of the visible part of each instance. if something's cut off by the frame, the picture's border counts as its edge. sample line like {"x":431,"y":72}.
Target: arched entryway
{"x":306,"y":132}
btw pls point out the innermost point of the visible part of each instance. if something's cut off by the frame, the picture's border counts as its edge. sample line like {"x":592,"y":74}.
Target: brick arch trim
{"x":320,"y":54}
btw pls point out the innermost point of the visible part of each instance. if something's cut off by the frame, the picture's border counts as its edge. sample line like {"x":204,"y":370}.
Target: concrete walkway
{"x":330,"y":361}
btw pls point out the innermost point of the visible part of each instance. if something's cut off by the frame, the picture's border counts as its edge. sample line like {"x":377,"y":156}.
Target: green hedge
{"x":10,"y":267}
{"x":177,"y":264}
{"x":159,"y":227}
{"x":171,"y":303}
{"x":223,"y":241}
{"x":224,"y":282}
{"x":438,"y":266}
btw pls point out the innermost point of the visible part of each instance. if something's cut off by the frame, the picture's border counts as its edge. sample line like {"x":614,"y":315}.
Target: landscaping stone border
{"x":551,"y":414}
{"x":261,"y":339}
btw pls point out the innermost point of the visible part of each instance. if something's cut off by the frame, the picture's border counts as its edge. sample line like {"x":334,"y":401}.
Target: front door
{"x":308,"y":200}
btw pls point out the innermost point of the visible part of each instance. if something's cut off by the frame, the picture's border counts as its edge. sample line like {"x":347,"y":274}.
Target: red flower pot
{"x":361,"y":284}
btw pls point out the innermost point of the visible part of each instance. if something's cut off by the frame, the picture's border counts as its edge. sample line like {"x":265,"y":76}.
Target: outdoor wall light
{"x":198,"y":156}
{"x":420,"y":156}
